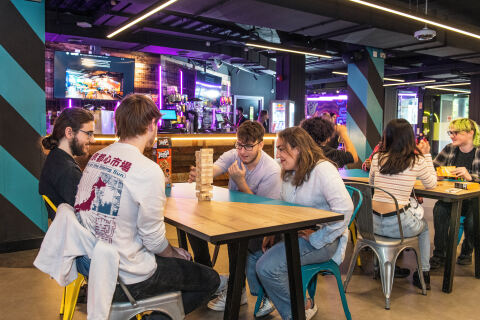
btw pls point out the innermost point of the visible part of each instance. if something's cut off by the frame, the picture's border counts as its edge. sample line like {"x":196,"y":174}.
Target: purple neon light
{"x":328,"y":98}
{"x":181,"y":82}
{"x":118,"y":103}
{"x":208,"y":85}
{"x":160,"y":98}
{"x":69,"y":103}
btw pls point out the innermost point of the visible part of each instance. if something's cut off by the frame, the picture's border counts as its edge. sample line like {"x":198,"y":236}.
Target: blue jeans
{"x":272,"y":270}
{"x":83,"y":265}
{"x":412,"y":226}
{"x":251,"y":272}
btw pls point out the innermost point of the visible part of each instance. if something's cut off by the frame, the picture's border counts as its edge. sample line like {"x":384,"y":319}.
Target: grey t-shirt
{"x":264,"y":180}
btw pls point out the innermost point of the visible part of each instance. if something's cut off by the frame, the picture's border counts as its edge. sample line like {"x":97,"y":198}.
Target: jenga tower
{"x":204,"y":164}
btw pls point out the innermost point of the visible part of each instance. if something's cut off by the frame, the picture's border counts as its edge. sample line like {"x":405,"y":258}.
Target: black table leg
{"x":182,"y":239}
{"x":294,"y":275}
{"x":236,"y":281}
{"x":476,"y":227}
{"x":449,"y":272}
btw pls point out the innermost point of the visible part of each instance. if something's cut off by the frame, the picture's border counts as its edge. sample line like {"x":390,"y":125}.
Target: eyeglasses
{"x":452,"y":133}
{"x":90,"y":134}
{"x":247,"y":147}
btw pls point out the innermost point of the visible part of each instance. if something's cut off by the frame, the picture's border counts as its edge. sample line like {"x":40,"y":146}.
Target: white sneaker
{"x":266,"y":308}
{"x":223,"y":285}
{"x":309,"y":313}
{"x":218,"y":304}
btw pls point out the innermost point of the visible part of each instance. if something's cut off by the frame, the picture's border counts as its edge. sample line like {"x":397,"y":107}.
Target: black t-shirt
{"x":59,"y":179}
{"x":464,"y":159}
{"x":340,"y":157}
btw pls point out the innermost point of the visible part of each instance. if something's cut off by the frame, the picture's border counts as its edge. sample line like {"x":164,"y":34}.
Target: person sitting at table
{"x":322,"y":131}
{"x":71,"y":137}
{"x":121,"y":198}
{"x":309,"y":179}
{"x":464,"y":154}
{"x":252,"y":171}
{"x":395,"y":168}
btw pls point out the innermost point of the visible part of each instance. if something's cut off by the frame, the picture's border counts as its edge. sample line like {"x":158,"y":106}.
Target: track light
{"x":142,"y":17}
{"x":405,"y":83}
{"x":412,"y":17}
{"x":308,"y":53}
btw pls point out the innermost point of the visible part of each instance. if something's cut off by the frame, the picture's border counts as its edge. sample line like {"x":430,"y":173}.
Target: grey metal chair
{"x":386,"y":249}
{"x":169,"y":304}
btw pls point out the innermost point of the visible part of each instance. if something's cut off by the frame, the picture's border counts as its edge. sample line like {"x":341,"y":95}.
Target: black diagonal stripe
{"x":363,"y":120}
{"x":15,"y":225}
{"x":376,"y":82}
{"x":22,"y":43}
{"x":20,"y":139}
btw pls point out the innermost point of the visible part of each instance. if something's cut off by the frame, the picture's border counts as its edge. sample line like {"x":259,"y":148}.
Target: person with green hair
{"x":464,"y":154}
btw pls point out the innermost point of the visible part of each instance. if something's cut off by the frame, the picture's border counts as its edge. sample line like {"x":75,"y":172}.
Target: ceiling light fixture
{"x":410,"y":16}
{"x":405,"y":83}
{"x":451,"y":84}
{"x":446,"y":89}
{"x":308,"y":53}
{"x":388,"y":79}
{"x":142,"y":17}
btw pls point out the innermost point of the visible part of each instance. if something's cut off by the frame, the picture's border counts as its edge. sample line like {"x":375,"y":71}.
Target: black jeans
{"x":441,"y":223}
{"x":196,"y":282}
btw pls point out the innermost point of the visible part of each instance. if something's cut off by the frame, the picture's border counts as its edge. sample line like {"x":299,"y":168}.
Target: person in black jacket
{"x":322,"y":131}
{"x":72,"y":133}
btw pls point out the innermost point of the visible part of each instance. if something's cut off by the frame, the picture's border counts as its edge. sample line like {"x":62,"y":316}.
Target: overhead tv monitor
{"x":219,"y":117}
{"x":86,"y":76}
{"x":169,"y":114}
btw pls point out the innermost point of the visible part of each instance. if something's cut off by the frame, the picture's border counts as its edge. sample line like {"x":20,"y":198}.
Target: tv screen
{"x":169,"y":114}
{"x":85,"y":76}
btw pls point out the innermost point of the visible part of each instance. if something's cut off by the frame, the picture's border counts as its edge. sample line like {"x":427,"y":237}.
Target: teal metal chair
{"x":310,"y":271}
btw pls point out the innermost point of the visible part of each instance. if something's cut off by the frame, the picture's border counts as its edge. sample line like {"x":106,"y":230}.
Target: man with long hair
{"x":71,"y":137}
{"x":464,"y":154}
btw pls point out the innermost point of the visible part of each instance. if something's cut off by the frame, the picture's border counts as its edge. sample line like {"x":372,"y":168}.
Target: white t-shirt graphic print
{"x":120,"y":199}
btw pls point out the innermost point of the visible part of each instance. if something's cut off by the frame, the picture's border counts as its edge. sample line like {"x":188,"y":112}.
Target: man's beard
{"x":253,"y":160}
{"x":77,"y":149}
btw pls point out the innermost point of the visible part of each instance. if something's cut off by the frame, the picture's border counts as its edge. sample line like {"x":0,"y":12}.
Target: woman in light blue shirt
{"x":309,"y":179}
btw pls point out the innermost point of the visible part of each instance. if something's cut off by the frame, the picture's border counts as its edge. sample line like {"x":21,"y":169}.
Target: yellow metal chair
{"x":70,"y":292}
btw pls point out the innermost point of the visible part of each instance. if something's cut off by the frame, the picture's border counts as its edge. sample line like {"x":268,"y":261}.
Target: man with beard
{"x":121,"y":199}
{"x":71,"y":136}
{"x":252,"y":171}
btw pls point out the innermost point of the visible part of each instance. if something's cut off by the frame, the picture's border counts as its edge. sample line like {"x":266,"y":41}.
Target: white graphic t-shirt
{"x":120,"y":199}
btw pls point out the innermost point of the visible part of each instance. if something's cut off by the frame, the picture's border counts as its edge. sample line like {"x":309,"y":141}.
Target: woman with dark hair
{"x":309,"y":179}
{"x":71,"y":136}
{"x":395,"y":168}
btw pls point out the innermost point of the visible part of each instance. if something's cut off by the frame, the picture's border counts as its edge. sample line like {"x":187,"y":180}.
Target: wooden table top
{"x":439,"y":192}
{"x":221,"y":220}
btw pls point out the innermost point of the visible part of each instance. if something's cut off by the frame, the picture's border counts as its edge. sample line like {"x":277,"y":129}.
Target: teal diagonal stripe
{"x":20,"y":187}
{"x":359,"y":84}
{"x":34,"y":14}
{"x":19,"y":89}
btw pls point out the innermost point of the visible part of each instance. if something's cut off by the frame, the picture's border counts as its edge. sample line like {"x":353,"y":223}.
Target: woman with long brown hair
{"x":309,"y":179}
{"x":395,"y":168}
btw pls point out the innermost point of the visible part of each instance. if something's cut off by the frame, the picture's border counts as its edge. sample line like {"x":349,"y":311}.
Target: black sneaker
{"x":426,"y":278}
{"x":401,"y":272}
{"x":437,"y":262}
{"x":464,"y":259}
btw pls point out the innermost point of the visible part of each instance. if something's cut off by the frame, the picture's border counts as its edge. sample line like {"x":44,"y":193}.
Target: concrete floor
{"x":26,"y":293}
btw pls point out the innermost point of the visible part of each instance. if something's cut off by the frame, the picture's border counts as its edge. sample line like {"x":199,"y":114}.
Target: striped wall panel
{"x":366,"y":102}
{"x":23,"y":218}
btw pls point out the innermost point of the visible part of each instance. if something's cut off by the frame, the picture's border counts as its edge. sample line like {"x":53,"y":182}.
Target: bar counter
{"x":183,"y":150}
